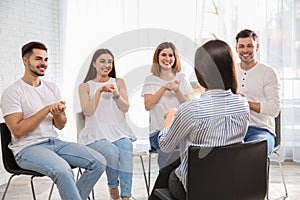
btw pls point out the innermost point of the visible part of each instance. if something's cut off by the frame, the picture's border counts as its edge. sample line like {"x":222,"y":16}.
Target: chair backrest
{"x":278,"y":132}
{"x":80,"y":120}
{"x":236,"y":171}
{"x":8,"y":158}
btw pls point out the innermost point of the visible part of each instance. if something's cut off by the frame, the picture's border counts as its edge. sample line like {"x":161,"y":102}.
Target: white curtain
{"x":132,"y":29}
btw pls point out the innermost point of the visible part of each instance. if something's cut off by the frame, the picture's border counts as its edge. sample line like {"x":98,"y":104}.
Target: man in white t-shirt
{"x":259,"y":83}
{"x":31,"y":108}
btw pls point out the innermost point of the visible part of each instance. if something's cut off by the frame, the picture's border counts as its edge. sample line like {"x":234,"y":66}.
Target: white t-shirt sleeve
{"x":186,"y":87}
{"x":57,"y":92}
{"x":148,"y":86}
{"x":10,"y":101}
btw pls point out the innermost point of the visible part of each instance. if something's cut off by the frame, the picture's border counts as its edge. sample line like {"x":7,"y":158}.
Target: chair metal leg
{"x":282,"y":175}
{"x":32,"y":188}
{"x":6,"y":188}
{"x":268,"y":178}
{"x":78,"y":173}
{"x":93,"y":195}
{"x":51,"y":190}
{"x":149,"y":171}
{"x":145,"y":176}
{"x":77,"y":177}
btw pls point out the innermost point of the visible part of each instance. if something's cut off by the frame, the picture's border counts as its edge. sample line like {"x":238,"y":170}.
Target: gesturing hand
{"x":108,"y":88}
{"x":173,"y":86}
{"x":58,"y":108}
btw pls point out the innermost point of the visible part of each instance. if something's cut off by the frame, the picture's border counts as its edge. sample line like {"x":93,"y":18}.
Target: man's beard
{"x":35,"y":73}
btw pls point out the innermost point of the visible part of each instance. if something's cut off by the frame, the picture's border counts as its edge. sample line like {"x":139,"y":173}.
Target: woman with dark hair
{"x":165,"y":88}
{"x":220,"y":117}
{"x":104,"y":102}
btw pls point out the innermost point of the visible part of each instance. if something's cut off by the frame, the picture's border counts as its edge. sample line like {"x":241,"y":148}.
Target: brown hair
{"x":155,"y":68}
{"x":92,"y":73}
{"x":246,"y":33}
{"x":215,"y":66}
{"x":27,"y":48}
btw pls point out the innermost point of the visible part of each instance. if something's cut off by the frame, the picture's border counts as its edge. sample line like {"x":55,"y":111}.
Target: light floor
{"x":20,"y":186}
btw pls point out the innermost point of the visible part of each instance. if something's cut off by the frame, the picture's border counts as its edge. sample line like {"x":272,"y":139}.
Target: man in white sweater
{"x":259,"y":83}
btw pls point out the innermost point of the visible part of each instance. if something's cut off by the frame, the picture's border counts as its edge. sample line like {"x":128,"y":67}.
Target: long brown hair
{"x":92,"y":73}
{"x":155,"y":68}
{"x":215,"y":66}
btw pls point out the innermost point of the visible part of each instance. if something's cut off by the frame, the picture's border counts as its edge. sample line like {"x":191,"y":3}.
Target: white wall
{"x":22,"y":21}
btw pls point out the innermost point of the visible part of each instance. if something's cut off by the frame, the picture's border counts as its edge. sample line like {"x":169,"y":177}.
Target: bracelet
{"x":115,"y":97}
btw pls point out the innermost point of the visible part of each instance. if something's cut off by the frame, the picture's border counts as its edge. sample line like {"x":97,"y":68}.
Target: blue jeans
{"x":126,"y":165}
{"x":54,"y":157}
{"x":256,"y":133}
{"x":112,"y":156}
{"x":118,"y":155}
{"x":162,"y":156}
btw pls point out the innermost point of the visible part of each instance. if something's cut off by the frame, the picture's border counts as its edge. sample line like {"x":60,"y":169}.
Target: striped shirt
{"x":218,"y":118}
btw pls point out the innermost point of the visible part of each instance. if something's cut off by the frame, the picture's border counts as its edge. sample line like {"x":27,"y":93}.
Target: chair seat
{"x":152,"y":150}
{"x":139,"y":153}
{"x":25,"y":172}
{"x":163,"y":193}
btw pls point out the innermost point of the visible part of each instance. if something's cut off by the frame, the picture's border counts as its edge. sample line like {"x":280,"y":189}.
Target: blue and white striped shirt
{"x":218,"y":118}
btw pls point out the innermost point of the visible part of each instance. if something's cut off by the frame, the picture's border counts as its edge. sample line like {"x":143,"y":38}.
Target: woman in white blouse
{"x":104,"y":102}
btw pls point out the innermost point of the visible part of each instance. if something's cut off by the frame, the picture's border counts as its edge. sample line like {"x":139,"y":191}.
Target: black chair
{"x":235,"y":172}
{"x":276,"y":152}
{"x":151,"y":151}
{"x":10,"y":164}
{"x":13,"y":168}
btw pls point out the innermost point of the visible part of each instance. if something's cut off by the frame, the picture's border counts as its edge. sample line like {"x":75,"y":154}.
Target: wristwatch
{"x":116,"y":97}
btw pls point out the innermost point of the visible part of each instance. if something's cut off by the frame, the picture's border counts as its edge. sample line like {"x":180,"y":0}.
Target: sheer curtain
{"x":88,"y":25}
{"x":276,"y":22}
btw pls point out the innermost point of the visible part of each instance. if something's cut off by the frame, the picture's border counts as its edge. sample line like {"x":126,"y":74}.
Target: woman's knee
{"x":124,"y":145}
{"x":107,"y":149}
